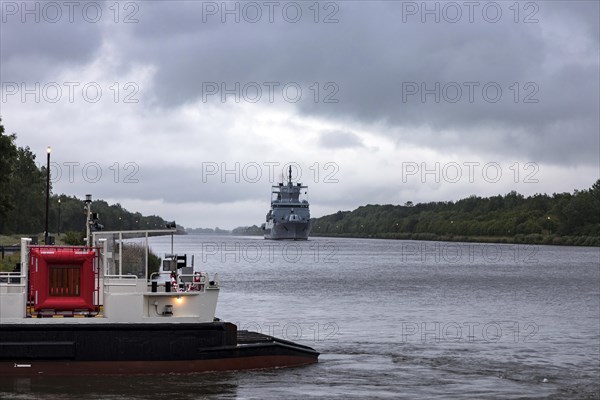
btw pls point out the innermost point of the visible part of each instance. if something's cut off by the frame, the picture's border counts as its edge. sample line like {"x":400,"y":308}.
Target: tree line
{"x":562,"y":218}
{"x":23,"y":199}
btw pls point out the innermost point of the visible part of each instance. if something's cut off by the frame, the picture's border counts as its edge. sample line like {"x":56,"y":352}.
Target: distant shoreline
{"x":583,"y":241}
{"x":532,"y":239}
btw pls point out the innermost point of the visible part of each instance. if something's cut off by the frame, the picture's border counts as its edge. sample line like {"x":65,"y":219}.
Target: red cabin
{"x":63,"y":278}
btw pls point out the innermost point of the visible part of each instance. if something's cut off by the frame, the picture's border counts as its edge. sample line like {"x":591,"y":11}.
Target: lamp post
{"x":58,"y":225}
{"x":88,"y":219}
{"x":49,"y":150}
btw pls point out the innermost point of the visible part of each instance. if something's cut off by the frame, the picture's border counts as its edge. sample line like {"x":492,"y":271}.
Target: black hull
{"x":80,"y":349}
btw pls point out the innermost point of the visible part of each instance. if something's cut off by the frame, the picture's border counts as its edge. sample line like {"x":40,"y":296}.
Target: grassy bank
{"x":15,"y":240}
{"x":7,"y":263}
{"x":10,"y":240}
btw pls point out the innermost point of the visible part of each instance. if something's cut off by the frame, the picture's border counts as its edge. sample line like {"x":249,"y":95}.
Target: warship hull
{"x":289,"y":231}
{"x":289,"y":216}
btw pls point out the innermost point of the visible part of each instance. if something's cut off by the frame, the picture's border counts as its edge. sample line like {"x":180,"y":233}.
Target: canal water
{"x":391,"y":319}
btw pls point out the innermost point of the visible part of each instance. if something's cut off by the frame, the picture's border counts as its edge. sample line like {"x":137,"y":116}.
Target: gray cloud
{"x":340,"y":140}
{"x":354,"y":76}
{"x":38,"y":42}
{"x":372,"y":59}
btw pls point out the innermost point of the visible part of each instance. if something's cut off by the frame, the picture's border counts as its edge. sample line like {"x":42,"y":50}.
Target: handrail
{"x":121,"y":276}
{"x":107,"y":280}
{"x":203,"y":275}
{"x":6,"y":278}
{"x":152,"y":275}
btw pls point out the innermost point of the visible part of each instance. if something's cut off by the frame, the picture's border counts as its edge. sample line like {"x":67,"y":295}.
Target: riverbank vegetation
{"x":560,"y":218}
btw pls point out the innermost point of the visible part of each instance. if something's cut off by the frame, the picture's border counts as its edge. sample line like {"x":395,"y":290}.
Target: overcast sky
{"x":190,"y":110}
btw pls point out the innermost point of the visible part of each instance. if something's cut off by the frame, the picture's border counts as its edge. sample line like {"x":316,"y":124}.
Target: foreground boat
{"x":92,"y":310}
{"x":289,"y":216}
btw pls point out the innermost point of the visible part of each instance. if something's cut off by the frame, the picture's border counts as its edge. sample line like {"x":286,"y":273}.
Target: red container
{"x":62,"y":278}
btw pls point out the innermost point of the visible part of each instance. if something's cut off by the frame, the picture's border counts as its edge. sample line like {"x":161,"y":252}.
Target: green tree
{"x":8,"y":160}
{"x":535,"y":219}
{"x":74,"y":238}
{"x":28,"y":191}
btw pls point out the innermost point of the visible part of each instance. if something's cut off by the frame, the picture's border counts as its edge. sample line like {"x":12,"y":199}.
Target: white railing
{"x":121,"y":280}
{"x":9,"y":278}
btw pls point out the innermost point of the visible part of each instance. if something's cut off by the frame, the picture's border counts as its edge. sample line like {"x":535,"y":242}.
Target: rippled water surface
{"x":391,"y":319}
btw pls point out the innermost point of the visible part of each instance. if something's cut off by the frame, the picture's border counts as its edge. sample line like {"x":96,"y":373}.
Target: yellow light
{"x":179,"y":299}
{"x":49,"y":149}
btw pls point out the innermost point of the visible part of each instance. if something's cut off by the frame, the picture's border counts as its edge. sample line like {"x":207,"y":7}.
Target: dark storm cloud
{"x":373,"y":62}
{"x":364,"y":68}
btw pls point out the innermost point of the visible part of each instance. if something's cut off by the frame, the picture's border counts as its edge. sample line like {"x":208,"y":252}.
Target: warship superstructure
{"x":289,"y":216}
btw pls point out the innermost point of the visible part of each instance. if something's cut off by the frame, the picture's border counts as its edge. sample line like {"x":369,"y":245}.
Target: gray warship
{"x":289,"y":216}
